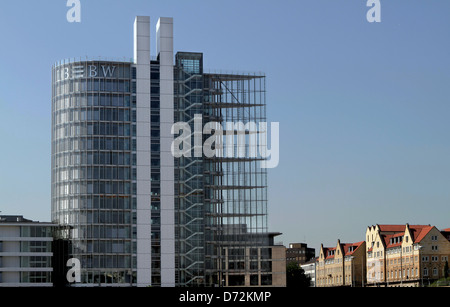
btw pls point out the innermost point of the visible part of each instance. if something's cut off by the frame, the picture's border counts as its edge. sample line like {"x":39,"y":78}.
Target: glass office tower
{"x":112,"y":167}
{"x":135,"y":215}
{"x":93,"y":165}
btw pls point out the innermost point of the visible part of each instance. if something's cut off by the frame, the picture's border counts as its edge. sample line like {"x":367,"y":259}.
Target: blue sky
{"x":363,"y":107}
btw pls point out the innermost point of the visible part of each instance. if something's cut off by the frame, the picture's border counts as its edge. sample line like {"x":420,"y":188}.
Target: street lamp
{"x":353,"y":269}
{"x":401,"y":266}
{"x":420,"y":267}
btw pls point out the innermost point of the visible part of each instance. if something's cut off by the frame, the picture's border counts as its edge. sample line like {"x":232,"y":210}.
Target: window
{"x":434,"y":247}
{"x":35,"y":277}
{"x":36,"y":231}
{"x":425,"y":271}
{"x":254,"y":280}
{"x":435,"y":271}
{"x":266,"y":280}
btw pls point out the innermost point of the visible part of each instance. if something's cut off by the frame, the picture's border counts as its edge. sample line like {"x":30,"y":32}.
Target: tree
{"x":446,"y":269}
{"x":295,"y":276}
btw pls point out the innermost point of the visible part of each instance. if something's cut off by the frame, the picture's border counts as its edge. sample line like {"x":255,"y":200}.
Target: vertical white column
{"x":143,"y":209}
{"x":164,"y":42}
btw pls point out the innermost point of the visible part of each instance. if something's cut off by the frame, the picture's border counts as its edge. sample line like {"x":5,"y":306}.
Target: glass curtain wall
{"x":92,"y":159}
{"x":235,"y":184}
{"x":222,"y":200}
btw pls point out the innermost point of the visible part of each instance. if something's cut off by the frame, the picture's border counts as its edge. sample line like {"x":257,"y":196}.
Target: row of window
{"x":32,"y":246}
{"x":92,"y":158}
{"x":255,"y":280}
{"x":106,"y":217}
{"x":411,"y":259}
{"x":378,"y":276}
{"x":409,"y":273}
{"x":92,"y":143}
{"x":95,"y":172}
{"x":35,"y":231}
{"x":78,"y":129}
{"x":64,"y":136}
{"x":265,"y":266}
{"x":67,"y":102}
{"x":102,"y":232}
{"x":334,"y":280}
{"x":434,"y":258}
{"x":106,"y":261}
{"x":94,"y":187}
{"x":93,"y":114}
{"x":100,"y":217}
{"x":35,"y":246}
{"x":35,"y":262}
{"x":35,"y":277}
{"x":109,"y":277}
{"x":96,"y":202}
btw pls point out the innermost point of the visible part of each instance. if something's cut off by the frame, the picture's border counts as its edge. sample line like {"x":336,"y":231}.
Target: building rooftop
{"x":10,"y":219}
{"x":14,"y":218}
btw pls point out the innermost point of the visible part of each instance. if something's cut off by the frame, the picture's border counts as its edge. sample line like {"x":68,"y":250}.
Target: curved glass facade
{"x":128,"y":210}
{"x":93,"y":172}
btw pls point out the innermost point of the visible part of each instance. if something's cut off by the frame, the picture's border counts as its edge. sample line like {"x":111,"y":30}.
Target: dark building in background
{"x":299,"y":253}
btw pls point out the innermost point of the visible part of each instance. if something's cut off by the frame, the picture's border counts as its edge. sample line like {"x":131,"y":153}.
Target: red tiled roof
{"x":387,"y":239}
{"x":391,"y":228}
{"x":398,"y":228}
{"x":420,"y":233}
{"x":346,"y":247}
{"x":326,"y":250}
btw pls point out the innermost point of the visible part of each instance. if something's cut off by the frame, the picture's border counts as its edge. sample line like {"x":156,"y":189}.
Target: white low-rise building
{"x":25,"y":252}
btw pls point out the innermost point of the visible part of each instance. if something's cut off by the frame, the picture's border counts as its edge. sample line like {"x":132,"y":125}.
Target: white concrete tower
{"x":164,"y":49}
{"x":143,"y":154}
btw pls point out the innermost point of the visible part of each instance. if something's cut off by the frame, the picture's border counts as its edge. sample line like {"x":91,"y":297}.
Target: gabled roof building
{"x":405,"y":255}
{"x":341,"y":266}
